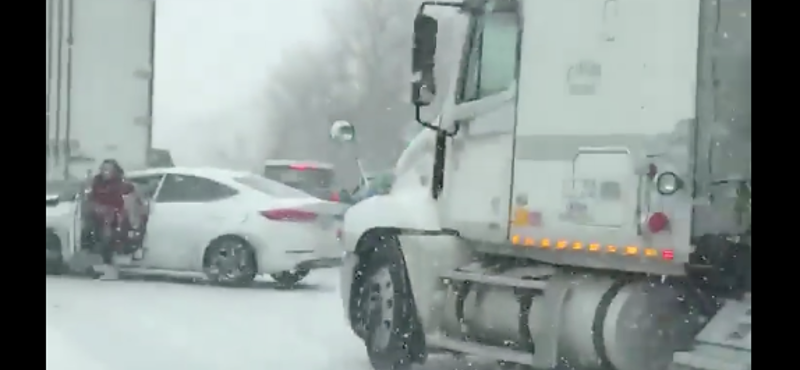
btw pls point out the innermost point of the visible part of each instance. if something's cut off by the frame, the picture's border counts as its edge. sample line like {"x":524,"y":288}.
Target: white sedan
{"x":227,"y":225}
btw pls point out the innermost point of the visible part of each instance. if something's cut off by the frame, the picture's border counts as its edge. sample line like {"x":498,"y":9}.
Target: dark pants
{"x":105,"y":235}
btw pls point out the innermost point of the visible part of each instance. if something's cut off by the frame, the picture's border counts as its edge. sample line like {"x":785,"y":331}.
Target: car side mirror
{"x":53,"y":200}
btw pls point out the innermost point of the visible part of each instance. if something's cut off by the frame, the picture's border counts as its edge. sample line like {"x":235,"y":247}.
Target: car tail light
{"x":300,"y":167}
{"x":290,"y":215}
{"x":657,"y":222}
{"x":335,"y":197}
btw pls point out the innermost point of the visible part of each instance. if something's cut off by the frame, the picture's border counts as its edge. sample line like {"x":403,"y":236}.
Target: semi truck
{"x":99,"y":84}
{"x":582,"y":201}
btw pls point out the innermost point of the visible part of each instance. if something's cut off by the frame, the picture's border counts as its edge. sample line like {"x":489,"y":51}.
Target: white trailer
{"x":99,"y":83}
{"x":583,"y":201}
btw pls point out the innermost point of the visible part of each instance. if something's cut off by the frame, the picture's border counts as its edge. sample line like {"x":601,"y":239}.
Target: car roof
{"x":209,"y":172}
{"x":290,"y":162}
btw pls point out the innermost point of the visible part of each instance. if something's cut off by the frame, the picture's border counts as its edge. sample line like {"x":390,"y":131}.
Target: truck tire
{"x":385,"y":306}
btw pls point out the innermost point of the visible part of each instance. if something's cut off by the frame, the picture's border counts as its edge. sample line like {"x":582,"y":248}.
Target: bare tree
{"x":362,"y":75}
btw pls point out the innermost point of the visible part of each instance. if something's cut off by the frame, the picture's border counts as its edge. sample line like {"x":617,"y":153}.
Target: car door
{"x":147,"y":186}
{"x":184,"y":217}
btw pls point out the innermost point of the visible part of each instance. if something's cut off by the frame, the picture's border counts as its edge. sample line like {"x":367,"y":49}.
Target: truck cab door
{"x":478,"y":168}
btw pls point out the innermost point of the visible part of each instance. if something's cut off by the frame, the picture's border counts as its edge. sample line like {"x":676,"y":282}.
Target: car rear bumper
{"x":299,"y":253}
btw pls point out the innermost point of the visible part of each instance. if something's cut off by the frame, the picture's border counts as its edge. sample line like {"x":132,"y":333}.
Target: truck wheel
{"x":384,"y":307}
{"x":288,"y":279}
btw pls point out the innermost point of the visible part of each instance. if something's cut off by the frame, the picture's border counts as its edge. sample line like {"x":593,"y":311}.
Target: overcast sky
{"x":213,"y":59}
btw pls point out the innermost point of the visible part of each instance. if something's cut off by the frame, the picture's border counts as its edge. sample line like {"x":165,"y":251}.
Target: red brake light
{"x":300,"y":167}
{"x":335,"y":197}
{"x":657,"y":222}
{"x":290,"y":215}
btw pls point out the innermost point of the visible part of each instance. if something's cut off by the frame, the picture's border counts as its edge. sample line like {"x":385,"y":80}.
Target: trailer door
{"x":110,"y":82}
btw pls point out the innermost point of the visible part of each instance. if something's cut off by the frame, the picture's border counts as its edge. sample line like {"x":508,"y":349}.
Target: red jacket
{"x":109,"y":193}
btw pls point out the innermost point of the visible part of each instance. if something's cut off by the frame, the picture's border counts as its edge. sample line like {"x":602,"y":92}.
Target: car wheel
{"x":288,"y":279}
{"x":230,"y":261}
{"x":54,"y":266}
{"x":384,"y":308}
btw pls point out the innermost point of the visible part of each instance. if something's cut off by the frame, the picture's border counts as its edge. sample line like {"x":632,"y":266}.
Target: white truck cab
{"x":583,"y":200}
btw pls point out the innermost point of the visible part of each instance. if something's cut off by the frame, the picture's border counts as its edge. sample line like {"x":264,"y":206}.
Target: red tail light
{"x":335,"y":197}
{"x":300,"y":167}
{"x":657,"y":222}
{"x":290,"y":215}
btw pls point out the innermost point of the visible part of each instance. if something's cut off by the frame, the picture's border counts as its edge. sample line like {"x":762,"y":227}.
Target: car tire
{"x":289,"y":279}
{"x":385,"y":307}
{"x":56,"y":266}
{"x":230,"y":261}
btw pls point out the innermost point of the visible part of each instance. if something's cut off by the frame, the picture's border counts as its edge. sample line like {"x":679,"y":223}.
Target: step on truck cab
{"x":582,"y":200}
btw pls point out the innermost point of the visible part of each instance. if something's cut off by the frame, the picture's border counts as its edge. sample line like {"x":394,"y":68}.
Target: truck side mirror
{"x":423,"y":89}
{"x":343,"y":132}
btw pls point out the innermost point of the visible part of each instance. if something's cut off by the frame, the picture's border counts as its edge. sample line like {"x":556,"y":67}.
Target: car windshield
{"x":270,"y":187}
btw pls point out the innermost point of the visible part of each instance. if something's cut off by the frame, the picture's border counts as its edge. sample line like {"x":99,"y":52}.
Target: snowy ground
{"x":169,"y":325}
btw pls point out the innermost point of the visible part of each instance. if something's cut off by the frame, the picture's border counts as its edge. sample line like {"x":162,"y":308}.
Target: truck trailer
{"x":99,"y":84}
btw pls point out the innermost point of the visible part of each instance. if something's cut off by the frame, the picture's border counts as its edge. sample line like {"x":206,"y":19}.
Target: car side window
{"x":192,"y":189}
{"x":494,"y":55}
{"x":146,"y":185}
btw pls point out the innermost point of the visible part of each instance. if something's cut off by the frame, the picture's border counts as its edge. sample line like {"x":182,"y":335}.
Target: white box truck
{"x":99,"y":84}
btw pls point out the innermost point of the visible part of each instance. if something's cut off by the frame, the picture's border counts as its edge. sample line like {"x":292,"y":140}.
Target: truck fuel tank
{"x":600,"y":322}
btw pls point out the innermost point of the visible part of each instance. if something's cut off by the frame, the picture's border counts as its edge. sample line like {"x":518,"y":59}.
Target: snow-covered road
{"x":167,"y":325}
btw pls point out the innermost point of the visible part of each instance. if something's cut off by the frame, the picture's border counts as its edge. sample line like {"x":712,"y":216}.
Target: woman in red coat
{"x":107,"y":210}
